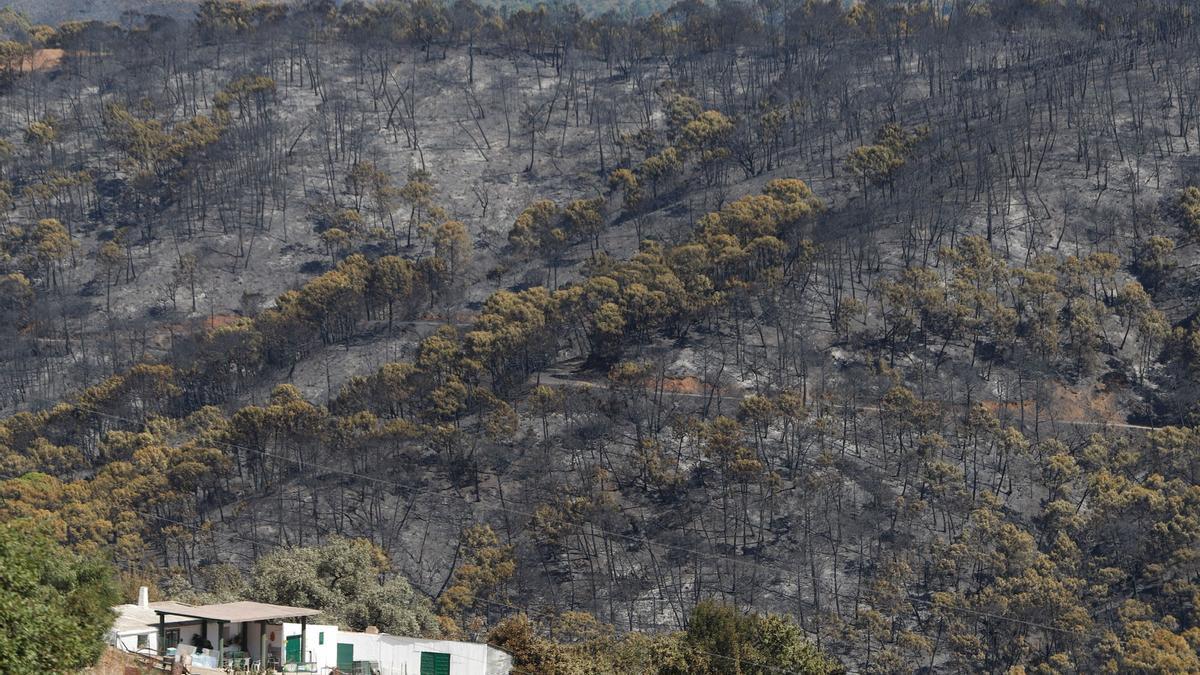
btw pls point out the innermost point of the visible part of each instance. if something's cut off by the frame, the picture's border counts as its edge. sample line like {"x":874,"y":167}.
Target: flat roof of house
{"x":230,"y":612}
{"x":133,"y":620}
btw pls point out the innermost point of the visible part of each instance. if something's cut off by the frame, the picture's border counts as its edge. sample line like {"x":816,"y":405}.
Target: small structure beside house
{"x":133,"y":630}
{"x":253,"y":636}
{"x":399,"y":655}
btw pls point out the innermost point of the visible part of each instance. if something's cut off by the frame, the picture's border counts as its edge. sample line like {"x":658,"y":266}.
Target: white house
{"x":256,"y":635}
{"x":226,"y":634}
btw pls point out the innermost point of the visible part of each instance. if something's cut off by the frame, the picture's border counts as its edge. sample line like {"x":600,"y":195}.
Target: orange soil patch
{"x":1093,"y":404}
{"x":1069,"y":405}
{"x":683,"y":385}
{"x":688,"y":384}
{"x":42,"y":59}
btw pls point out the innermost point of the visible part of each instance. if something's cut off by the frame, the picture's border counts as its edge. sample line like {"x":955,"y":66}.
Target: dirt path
{"x":566,"y":381}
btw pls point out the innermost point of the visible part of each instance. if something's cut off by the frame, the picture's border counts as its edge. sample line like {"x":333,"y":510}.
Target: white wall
{"x":129,"y":641}
{"x":500,"y":662}
{"x":324,"y":655}
{"x":372,"y":648}
{"x":187,"y":630}
{"x":398,"y":655}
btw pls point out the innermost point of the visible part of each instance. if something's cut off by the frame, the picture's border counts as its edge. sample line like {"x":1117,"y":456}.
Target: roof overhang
{"x":132,"y":630}
{"x":229,"y":612}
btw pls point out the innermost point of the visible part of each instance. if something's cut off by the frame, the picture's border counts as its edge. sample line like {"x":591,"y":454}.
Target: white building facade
{"x":230,"y":632}
{"x":398,"y":655}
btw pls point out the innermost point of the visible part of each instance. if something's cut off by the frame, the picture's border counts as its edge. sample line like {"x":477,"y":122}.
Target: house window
{"x":143,"y":641}
{"x":172,"y":638}
{"x":434,"y":663}
{"x":321,"y":638}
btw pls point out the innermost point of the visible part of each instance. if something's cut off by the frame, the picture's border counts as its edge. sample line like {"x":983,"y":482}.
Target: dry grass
{"x":114,"y":662}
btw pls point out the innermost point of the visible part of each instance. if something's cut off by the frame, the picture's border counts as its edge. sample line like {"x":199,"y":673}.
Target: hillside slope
{"x":880,"y":319}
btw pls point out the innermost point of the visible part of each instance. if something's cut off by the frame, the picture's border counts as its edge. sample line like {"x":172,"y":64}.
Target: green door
{"x":433,"y":663}
{"x":291,"y":652}
{"x":345,"y":657}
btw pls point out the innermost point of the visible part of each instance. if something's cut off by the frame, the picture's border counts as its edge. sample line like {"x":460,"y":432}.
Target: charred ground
{"x":878,"y":318}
